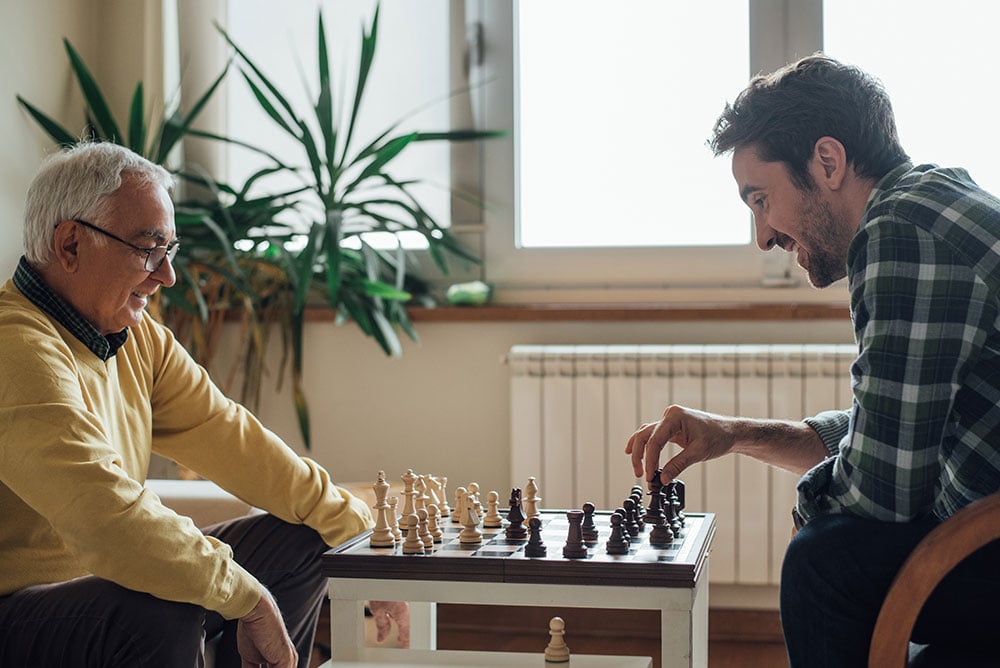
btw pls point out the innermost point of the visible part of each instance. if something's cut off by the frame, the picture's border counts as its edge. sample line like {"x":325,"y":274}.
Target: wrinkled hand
{"x":261,"y":637}
{"x":385,"y":612}
{"x":701,"y":436}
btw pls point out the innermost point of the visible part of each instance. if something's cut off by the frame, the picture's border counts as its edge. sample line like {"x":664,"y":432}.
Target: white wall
{"x":442,"y":407}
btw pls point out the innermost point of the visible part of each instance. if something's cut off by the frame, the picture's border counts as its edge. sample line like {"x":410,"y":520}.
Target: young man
{"x":817,"y":160}
{"x":93,"y":569}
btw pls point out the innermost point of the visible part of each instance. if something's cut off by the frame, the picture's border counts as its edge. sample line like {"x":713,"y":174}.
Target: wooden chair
{"x":934,"y":557}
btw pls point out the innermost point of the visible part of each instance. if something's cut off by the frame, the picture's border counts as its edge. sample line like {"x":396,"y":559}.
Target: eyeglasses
{"x":154,"y":256}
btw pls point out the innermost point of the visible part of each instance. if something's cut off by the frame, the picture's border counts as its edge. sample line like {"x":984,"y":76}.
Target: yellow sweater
{"x":75,"y":440}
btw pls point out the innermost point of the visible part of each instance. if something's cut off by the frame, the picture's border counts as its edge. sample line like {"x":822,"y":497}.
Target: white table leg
{"x":423,"y":625}
{"x":684,"y":633}
{"x":347,"y":628}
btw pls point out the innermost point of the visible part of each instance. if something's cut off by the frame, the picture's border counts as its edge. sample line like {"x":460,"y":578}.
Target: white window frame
{"x":781,"y":30}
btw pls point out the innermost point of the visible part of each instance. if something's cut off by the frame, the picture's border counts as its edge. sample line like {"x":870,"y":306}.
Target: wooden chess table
{"x":671,"y":579}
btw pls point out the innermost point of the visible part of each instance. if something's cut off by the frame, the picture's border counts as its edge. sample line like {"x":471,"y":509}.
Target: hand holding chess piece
{"x":557,"y":650}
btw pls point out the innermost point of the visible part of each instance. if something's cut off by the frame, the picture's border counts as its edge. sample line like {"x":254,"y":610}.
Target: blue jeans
{"x":837,"y":571}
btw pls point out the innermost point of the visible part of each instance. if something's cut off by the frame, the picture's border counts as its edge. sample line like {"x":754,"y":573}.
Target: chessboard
{"x":499,"y":559}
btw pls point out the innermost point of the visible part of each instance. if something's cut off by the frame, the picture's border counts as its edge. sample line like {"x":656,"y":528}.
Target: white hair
{"x":76,"y":183}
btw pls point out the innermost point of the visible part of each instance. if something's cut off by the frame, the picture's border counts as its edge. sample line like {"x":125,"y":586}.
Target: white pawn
{"x":445,"y":508}
{"x":531,"y":499}
{"x":423,"y":529}
{"x":412,"y":543}
{"x":473,"y":496}
{"x":432,"y":523}
{"x":557,"y":651}
{"x":493,"y":520}
{"x":394,"y":519}
{"x":470,"y":533}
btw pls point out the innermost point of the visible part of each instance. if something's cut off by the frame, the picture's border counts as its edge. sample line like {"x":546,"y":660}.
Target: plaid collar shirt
{"x":34,"y":288}
{"x":923,"y":435}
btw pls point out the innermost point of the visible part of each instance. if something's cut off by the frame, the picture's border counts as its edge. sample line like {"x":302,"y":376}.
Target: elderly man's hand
{"x":385,"y":612}
{"x":261,"y":637}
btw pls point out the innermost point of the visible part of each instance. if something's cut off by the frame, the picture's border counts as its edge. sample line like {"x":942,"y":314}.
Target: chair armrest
{"x":934,"y":557}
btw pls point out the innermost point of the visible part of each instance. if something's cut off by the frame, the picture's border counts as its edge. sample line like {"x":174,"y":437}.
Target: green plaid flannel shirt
{"x":923,"y":434}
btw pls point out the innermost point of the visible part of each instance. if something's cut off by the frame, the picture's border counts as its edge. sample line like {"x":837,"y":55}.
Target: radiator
{"x":573,"y":408}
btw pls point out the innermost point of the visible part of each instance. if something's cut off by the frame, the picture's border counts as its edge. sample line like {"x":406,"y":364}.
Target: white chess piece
{"x":423,"y":530}
{"x":557,"y":651}
{"x":456,"y":516}
{"x":382,"y":533}
{"x":432,"y":523}
{"x":412,"y":543}
{"x":470,"y":533}
{"x":493,"y":520}
{"x":531,"y":499}
{"x":408,"y":493}
{"x":394,"y":519}
{"x":444,"y":508}
{"x":473,"y":496}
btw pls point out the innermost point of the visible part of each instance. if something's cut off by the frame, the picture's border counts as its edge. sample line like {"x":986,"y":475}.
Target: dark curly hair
{"x":783,"y":114}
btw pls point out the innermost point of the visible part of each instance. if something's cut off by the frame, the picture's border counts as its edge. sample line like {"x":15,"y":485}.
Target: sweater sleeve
{"x":79,"y":510}
{"x":198,"y":426}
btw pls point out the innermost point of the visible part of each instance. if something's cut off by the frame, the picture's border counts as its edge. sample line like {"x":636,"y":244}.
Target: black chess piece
{"x":631,"y":524}
{"x":654,"y":511}
{"x":621,"y":511}
{"x":575,"y":547}
{"x":535,"y":546}
{"x":515,"y":530}
{"x":589,"y":529}
{"x":636,"y":497}
{"x":617,"y":542}
{"x":677,"y":491}
{"x":662,"y":534}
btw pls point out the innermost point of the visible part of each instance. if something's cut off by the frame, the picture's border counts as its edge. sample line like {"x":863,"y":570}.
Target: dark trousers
{"x":837,"y":571}
{"x":90,"y":621}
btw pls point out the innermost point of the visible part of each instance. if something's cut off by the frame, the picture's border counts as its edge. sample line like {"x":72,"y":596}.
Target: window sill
{"x":619,"y":312}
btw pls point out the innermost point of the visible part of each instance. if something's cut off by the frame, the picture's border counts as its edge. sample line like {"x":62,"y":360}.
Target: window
{"x":604,"y":78}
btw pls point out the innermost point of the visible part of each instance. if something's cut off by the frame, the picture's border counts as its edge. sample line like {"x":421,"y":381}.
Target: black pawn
{"x":662,"y":534}
{"x":589,"y":529}
{"x":624,"y":515}
{"x":515,"y":530}
{"x":677,"y":492}
{"x":535,"y":546}
{"x":617,"y":542}
{"x":631,"y":524}
{"x":575,"y":548}
{"x":636,"y":497}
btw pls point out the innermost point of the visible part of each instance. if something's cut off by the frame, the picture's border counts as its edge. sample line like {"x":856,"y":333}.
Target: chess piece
{"x":492,"y":520}
{"x":394,"y":519}
{"x":631,"y":525}
{"x":588,"y":528}
{"x":575,"y":548}
{"x":412,"y":543}
{"x":662,"y":534}
{"x":557,"y":651}
{"x":535,"y":546}
{"x":470,"y":533}
{"x":422,"y":529}
{"x":433,"y":515}
{"x":409,"y":507}
{"x":626,"y":535}
{"x":617,"y":543}
{"x":432,"y":492}
{"x":677,"y":491}
{"x":531,"y":498}
{"x":460,"y":494}
{"x":382,"y":533}
{"x":515,"y":529}
{"x":445,"y":508}
{"x":472,"y":496}
{"x":654,"y":511}
{"x":636,"y":497}
{"x":420,"y":493}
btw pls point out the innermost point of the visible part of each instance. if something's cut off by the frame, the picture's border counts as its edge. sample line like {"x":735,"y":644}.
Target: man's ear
{"x":66,"y":244}
{"x":829,"y":162}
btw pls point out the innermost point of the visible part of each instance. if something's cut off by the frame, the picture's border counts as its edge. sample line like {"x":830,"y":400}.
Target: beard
{"x":826,"y":239}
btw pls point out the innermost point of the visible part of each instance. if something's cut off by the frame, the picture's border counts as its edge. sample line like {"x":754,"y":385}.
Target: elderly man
{"x":93,"y":569}
{"x":816,"y":158}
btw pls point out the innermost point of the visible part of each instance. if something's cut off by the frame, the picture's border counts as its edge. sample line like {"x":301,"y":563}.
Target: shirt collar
{"x":41,"y":295}
{"x":887,"y":182}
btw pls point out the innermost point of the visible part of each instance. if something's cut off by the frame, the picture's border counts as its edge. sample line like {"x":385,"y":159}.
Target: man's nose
{"x":766,"y":237}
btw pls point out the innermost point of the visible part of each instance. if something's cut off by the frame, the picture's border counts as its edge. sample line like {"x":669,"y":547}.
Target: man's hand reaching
{"x":261,"y":637}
